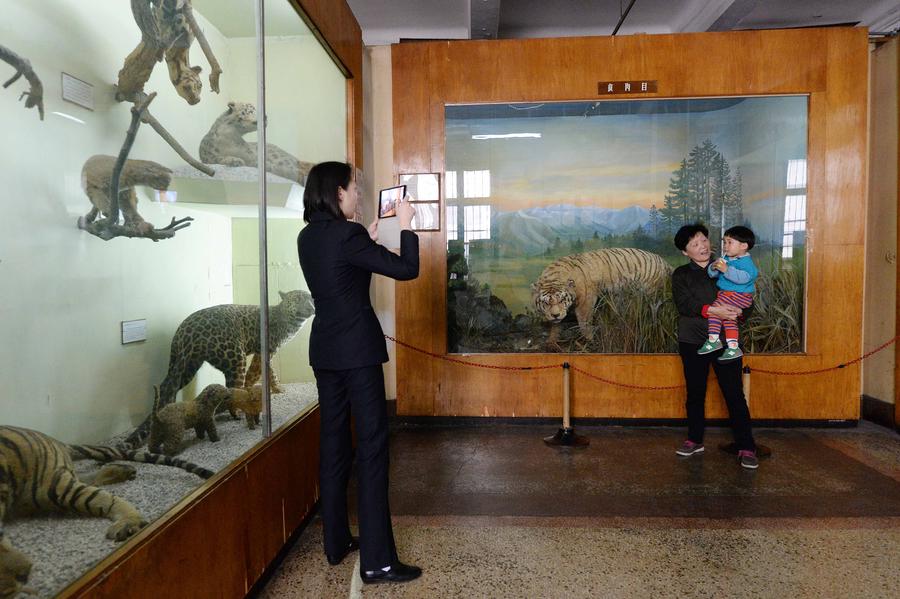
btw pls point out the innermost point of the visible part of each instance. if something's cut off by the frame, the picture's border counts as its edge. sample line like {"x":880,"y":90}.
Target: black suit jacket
{"x":338,"y":258}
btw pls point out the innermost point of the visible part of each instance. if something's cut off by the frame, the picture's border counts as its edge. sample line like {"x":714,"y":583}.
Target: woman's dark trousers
{"x":696,"y":372}
{"x":359,"y":391}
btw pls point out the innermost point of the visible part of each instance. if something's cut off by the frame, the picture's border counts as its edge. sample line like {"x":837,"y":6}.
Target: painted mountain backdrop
{"x":533,"y":230}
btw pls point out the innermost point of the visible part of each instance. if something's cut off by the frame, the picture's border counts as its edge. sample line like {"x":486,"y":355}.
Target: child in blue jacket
{"x":736,"y":274}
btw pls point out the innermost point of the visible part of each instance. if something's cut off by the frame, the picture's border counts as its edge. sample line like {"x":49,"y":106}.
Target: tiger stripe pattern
{"x":37,"y":475}
{"x":577,"y":279}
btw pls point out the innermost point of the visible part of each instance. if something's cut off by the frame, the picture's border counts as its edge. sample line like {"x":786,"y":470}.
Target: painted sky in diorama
{"x":560,"y":218}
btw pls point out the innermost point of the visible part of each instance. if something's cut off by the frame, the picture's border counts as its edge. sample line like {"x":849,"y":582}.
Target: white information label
{"x":77,"y":91}
{"x":134,"y":330}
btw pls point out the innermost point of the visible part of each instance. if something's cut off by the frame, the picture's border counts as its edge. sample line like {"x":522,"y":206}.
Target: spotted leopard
{"x":224,"y":336}
{"x":225,"y":144}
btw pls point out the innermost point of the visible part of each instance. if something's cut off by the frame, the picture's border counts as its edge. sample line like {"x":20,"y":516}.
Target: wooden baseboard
{"x":877,"y":411}
{"x":219,"y":540}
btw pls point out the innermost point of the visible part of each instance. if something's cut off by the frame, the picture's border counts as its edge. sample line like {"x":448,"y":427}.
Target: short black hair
{"x":687,"y":232}
{"x":321,"y":192}
{"x":742,"y":234}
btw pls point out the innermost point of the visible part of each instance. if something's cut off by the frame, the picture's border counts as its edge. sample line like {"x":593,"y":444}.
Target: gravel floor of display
{"x":62,"y":548}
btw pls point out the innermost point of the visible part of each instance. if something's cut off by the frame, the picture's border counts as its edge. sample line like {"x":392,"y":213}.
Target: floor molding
{"x":878,"y":411}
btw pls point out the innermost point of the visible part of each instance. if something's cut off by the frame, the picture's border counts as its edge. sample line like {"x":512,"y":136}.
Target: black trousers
{"x":696,"y":372}
{"x":359,"y":391}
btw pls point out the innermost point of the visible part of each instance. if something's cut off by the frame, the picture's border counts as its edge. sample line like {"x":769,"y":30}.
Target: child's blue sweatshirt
{"x":740,"y":275}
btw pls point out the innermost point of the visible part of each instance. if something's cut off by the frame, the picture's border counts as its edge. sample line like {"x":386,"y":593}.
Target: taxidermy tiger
{"x":95,"y":179}
{"x":37,"y":475}
{"x":224,"y":336}
{"x":167,"y":425}
{"x":224,"y":144}
{"x":575,"y":281}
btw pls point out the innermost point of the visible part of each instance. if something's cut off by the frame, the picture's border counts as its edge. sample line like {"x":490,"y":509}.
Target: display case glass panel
{"x":119,"y":315}
{"x":560,"y":218}
{"x":303,"y":129}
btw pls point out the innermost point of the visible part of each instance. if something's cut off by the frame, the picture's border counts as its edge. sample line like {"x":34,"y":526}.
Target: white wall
{"x":64,"y":292}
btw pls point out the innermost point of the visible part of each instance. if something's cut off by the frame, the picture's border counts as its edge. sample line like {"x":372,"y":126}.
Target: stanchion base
{"x":762,"y":451}
{"x":566,"y":436}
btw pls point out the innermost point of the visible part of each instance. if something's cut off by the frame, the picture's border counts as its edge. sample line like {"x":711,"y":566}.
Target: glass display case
{"x":560,"y":218}
{"x":139,"y":262}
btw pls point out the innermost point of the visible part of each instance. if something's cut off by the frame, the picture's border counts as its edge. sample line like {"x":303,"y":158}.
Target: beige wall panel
{"x":881,"y":231}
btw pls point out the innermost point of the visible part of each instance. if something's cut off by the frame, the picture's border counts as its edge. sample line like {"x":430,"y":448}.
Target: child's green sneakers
{"x":732,"y":353}
{"x":709,"y":347}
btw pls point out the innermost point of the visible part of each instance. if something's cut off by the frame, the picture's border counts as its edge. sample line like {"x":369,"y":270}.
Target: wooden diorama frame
{"x":831,"y":69}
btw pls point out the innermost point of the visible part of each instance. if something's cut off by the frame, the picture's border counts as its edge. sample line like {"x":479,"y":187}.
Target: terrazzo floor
{"x":493,"y":512}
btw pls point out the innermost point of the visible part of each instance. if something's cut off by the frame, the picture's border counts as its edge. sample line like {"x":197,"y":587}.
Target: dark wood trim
{"x":219,"y":540}
{"x":877,"y":411}
{"x":552,"y":423}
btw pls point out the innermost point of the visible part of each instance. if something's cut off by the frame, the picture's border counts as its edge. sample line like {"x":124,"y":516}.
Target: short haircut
{"x":742,"y":234}
{"x":321,"y":192}
{"x":688,"y":232}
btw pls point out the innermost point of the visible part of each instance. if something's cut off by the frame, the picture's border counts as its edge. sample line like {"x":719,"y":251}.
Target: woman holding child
{"x":694,"y":292}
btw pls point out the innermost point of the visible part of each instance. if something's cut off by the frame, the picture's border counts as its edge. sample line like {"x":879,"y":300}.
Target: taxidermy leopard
{"x":165,"y":33}
{"x":37,"y":475}
{"x":224,"y":144}
{"x":224,"y":336}
{"x":167,"y":425}
{"x":95,"y":178}
{"x":248,"y":401}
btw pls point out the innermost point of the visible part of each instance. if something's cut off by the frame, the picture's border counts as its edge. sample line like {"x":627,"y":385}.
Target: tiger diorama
{"x":37,"y":475}
{"x":225,"y":144}
{"x":224,"y":336}
{"x":576,"y":280}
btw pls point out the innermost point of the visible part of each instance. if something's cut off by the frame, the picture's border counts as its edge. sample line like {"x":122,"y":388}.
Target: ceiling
{"x":390,"y":21}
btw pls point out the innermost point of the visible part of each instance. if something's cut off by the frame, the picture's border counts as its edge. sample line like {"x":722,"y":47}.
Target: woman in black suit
{"x":346,"y":351}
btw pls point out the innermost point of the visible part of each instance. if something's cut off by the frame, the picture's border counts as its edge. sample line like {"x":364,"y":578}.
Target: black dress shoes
{"x":399,"y":572}
{"x":336,"y":559}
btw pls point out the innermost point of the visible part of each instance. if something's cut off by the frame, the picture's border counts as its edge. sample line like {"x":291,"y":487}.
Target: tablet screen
{"x":388,"y":200}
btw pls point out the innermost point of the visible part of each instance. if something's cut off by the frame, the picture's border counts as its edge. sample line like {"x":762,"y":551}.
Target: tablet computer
{"x":388,"y":200}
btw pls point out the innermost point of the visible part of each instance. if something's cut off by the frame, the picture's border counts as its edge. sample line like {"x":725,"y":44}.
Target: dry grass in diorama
{"x":627,"y":319}
{"x":776,"y":325}
{"x":633,"y":319}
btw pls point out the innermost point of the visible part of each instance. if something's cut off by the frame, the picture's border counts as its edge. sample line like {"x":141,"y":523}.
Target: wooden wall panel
{"x":827,"y":64}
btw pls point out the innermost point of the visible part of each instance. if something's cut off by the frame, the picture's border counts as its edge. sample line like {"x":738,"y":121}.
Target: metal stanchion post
{"x":566,"y":435}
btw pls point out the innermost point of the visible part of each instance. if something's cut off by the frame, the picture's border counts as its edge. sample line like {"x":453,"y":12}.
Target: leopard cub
{"x":168,"y":424}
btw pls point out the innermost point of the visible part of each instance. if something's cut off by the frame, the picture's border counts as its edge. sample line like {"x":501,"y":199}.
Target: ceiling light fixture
{"x":68,"y":116}
{"x":505,"y":135}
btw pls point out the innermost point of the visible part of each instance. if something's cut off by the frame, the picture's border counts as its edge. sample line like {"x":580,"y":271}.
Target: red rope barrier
{"x":821,"y":370}
{"x":625,"y":385}
{"x":641,"y":387}
{"x":466,"y":362}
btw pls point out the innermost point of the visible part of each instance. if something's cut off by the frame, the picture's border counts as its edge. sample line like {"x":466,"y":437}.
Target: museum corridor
{"x":493,"y":512}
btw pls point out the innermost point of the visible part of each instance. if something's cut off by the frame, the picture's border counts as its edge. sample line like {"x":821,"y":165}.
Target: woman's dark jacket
{"x":693,"y":290}
{"x":338,"y":258}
